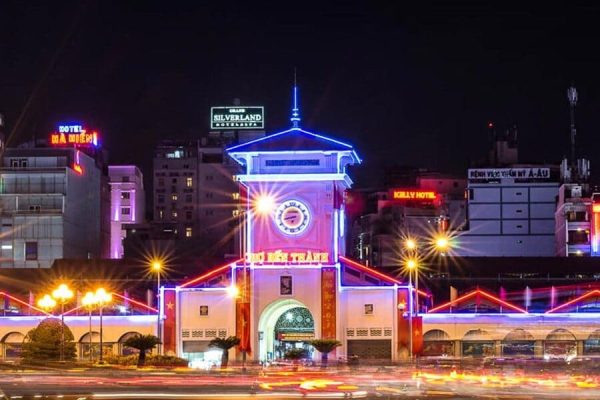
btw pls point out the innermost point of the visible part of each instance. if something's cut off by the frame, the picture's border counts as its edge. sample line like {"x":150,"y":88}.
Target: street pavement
{"x":429,"y":381}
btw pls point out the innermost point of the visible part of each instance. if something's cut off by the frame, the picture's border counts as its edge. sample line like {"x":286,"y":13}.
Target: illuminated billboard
{"x":412,"y":194}
{"x":237,"y":117}
{"x":74,"y":136}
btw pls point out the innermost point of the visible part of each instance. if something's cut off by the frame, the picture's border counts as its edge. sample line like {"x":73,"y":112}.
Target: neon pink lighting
{"x":370,"y":270}
{"x":23,"y":303}
{"x":576,"y":300}
{"x":126,"y":299}
{"x":478,"y":292}
{"x":211,"y":273}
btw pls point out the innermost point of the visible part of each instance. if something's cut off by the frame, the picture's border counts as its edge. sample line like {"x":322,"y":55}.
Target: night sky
{"x":406,"y":85}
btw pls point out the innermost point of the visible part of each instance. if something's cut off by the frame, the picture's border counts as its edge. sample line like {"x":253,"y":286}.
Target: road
{"x":366,"y":382}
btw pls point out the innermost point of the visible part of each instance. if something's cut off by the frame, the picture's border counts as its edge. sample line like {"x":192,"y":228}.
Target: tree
{"x":43,"y":342}
{"x":143,"y":343}
{"x":325,"y":346}
{"x":225,"y":345}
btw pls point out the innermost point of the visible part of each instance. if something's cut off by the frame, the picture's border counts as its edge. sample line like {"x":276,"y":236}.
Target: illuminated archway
{"x":267,"y":321}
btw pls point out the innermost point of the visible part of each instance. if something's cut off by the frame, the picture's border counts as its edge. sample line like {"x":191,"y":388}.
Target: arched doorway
{"x":284,"y":324}
{"x":13,"y":345}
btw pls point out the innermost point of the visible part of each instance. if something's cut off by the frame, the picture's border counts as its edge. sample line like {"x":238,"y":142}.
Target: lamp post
{"x":89,"y":301}
{"x":157,"y":268}
{"x":411,"y":264}
{"x":63,"y":294}
{"x":102,"y":299}
{"x":440,"y":244}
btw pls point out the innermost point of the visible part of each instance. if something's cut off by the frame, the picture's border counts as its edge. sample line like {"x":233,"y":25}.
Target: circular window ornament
{"x":292,"y":217}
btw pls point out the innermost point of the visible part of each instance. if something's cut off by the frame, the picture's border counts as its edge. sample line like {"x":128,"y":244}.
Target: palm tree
{"x":225,"y":345}
{"x":142,"y":343}
{"x":325,"y":346}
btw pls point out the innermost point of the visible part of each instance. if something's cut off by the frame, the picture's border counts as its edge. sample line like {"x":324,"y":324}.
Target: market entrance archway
{"x":282,"y":325}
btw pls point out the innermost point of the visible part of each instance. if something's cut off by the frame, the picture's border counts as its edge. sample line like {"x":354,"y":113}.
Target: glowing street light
{"x":233,"y":291}
{"x":264,"y":204}
{"x":102,"y":299}
{"x":442,"y":243}
{"x":46,"y":303}
{"x":63,"y":294}
{"x":89,"y":302}
{"x":410,"y":244}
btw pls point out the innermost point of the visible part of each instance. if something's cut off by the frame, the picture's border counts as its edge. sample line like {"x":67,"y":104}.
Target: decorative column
{"x":242,"y":309}
{"x":328,"y":303}
{"x":169,"y":324}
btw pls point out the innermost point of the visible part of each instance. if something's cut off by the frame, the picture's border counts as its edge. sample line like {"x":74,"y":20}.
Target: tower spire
{"x":295,"y":110}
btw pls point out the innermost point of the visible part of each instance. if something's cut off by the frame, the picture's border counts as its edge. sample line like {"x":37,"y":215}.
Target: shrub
{"x":151,"y":360}
{"x":43,"y":343}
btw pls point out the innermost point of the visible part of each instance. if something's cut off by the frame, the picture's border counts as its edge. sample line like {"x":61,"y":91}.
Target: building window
{"x":188,"y":182}
{"x":161,"y":198}
{"x":161,"y":181}
{"x":174,"y":213}
{"x":125,"y":195}
{"x":208,"y":212}
{"x":188,"y":232}
{"x":209,"y":177}
{"x":174,"y":197}
{"x":209,"y":195}
{"x":188,"y":215}
{"x":125,"y":211}
{"x":31,"y":251}
{"x":577,"y":216}
{"x":174,"y":180}
{"x":14,"y":163}
{"x":236,"y":196}
{"x":579,"y":237}
{"x":368,"y":309}
{"x":285,"y":285}
{"x":173,"y":189}
{"x":161,"y":214}
{"x":188,"y":198}
{"x":125,"y":179}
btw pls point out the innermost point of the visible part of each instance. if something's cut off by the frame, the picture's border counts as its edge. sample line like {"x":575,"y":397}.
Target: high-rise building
{"x":52,"y":207}
{"x":127,"y":203}
{"x":195,"y":195}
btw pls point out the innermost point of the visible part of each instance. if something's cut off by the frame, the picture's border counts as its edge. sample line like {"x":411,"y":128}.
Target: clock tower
{"x":293,"y":184}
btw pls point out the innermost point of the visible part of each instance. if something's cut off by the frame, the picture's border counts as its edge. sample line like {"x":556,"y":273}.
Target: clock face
{"x":292,"y":217}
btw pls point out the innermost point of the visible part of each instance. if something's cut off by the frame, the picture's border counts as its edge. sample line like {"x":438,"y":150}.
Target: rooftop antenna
{"x":572,"y":96}
{"x":295,"y":111}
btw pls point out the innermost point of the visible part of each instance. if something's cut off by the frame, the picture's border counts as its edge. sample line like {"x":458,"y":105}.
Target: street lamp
{"x":411,"y":265}
{"x":63,"y":294}
{"x":89,"y":302}
{"x":102,"y":299}
{"x":157,"y":268}
{"x":46,"y":303}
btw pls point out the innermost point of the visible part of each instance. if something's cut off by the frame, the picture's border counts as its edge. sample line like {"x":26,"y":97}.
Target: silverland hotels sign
{"x":237,"y":117}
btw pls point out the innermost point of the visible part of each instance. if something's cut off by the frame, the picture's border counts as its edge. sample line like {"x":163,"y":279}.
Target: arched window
{"x":518,"y":342}
{"x":124,"y":350}
{"x":437,"y":343}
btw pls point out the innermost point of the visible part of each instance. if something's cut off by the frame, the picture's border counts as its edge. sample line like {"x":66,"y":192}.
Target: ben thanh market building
{"x":295,"y":284}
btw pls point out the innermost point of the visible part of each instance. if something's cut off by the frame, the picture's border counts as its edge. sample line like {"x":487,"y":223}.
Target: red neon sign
{"x":407,"y":194}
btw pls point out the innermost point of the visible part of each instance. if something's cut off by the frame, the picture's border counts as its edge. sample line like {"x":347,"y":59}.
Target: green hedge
{"x":151,"y":360}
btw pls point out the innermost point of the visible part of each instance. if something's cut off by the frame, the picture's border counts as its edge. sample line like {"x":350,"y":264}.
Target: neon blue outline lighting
{"x":232,"y":149}
{"x":293,"y":178}
{"x":295,"y":111}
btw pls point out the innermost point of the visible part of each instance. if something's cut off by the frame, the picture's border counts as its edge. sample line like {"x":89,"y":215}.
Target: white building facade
{"x":127,"y":203}
{"x":510,"y":212}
